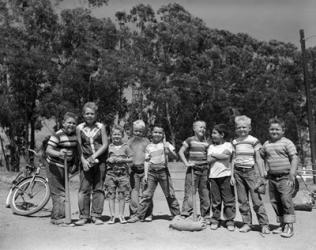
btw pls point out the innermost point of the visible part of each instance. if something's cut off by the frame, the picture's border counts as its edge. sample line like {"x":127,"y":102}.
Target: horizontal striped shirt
{"x":155,"y":153}
{"x":245,"y":149}
{"x":278,"y":155}
{"x":197,"y":149}
{"x":62,"y":141}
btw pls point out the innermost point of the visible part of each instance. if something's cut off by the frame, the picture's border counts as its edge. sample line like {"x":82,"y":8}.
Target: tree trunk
{"x":172,"y":133}
{"x":7,"y":164}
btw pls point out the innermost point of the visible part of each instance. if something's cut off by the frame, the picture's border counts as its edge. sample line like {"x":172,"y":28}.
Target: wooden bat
{"x":67,"y":194}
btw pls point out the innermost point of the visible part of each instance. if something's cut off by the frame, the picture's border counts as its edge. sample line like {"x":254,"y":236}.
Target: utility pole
{"x":309,"y":105}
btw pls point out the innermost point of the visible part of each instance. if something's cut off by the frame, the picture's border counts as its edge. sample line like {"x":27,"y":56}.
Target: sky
{"x":261,"y":19}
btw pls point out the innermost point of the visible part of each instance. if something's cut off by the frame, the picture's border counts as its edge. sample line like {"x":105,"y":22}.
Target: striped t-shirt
{"x":155,"y":155}
{"x":62,"y":141}
{"x":197,"y":149}
{"x":278,"y":155}
{"x":245,"y":149}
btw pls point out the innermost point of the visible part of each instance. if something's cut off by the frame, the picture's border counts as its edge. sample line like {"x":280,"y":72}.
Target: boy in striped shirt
{"x":281,"y":160}
{"x":156,"y":171}
{"x":196,"y":146}
{"x":62,"y":144}
{"x":247,"y":163}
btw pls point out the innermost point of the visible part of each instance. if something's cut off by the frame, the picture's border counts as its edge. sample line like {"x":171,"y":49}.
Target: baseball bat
{"x":67,"y":194}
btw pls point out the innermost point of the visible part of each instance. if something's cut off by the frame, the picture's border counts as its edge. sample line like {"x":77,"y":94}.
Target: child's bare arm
{"x":182,"y":156}
{"x":294,"y":163}
{"x":221,"y":156}
{"x":260,"y":164}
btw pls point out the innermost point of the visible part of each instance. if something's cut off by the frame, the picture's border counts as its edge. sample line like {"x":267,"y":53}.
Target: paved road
{"x":31,"y":233}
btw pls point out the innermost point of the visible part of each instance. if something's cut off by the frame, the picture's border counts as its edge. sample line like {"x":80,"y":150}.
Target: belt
{"x":244,"y":169}
{"x":277,"y":176}
{"x":156,"y":170}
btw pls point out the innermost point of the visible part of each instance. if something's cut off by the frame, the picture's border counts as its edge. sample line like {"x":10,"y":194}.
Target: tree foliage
{"x":179,"y":69}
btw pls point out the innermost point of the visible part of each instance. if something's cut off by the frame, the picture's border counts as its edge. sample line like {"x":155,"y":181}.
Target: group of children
{"x":128,"y":171}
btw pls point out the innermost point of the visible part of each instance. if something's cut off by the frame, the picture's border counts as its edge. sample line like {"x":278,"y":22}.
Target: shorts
{"x":115,"y":184}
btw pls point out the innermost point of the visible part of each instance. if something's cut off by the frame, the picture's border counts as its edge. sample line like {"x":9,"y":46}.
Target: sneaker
{"x":288,"y":231}
{"x":112,"y":220}
{"x":265,"y":229}
{"x":133,"y":219}
{"x":231,"y":228}
{"x":81,"y":222}
{"x":149,"y":218}
{"x":97,"y":221}
{"x":278,"y":230}
{"x":214,"y":226}
{"x":122,"y":220}
{"x":245,"y":228}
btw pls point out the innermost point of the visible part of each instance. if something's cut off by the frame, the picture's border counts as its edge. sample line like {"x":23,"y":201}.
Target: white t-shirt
{"x":220,"y":168}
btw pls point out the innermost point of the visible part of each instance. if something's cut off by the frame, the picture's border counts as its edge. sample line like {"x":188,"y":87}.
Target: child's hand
{"x":145,"y":178}
{"x":85,"y":164}
{"x":291,"y":180}
{"x":111,"y":160}
{"x":189,"y":164}
{"x":232,"y":180}
{"x":63,"y":152}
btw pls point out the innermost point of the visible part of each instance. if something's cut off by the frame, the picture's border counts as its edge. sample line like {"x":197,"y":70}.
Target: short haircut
{"x":70,"y":115}
{"x":117,"y":127}
{"x":139,"y":124}
{"x":158,"y":125}
{"x":221,"y":128}
{"x":278,"y":121}
{"x":243,"y":118}
{"x":90,"y":105}
{"x":198,"y":121}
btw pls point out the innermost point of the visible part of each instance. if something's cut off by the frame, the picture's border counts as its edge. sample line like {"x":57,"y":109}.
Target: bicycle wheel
{"x":30,"y":196}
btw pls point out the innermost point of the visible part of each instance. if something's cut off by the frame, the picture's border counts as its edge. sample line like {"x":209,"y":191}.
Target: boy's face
{"x":138,"y":131}
{"x":242,"y":129}
{"x":199,"y":129}
{"x":157,"y":134}
{"x":89,"y":116}
{"x":116,"y":136}
{"x":216,"y":136}
{"x":69,"y":125}
{"x":276,"y":132}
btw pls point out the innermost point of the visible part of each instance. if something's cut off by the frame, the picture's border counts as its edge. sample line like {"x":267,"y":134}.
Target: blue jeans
{"x":201,"y":184}
{"x":56,"y":182}
{"x":91,"y":182}
{"x":164,"y":180}
{"x":137,"y":189}
{"x":281,"y":198}
{"x":222,"y":192}
{"x":245,"y":184}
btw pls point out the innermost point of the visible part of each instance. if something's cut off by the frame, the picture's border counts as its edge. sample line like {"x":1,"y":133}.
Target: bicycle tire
{"x":30,"y":196}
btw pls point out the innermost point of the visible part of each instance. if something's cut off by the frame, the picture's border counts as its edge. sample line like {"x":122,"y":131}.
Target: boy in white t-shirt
{"x":156,"y":171}
{"x":219,"y":155}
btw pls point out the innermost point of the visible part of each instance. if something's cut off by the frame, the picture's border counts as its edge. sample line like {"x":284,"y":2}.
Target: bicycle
{"x":29,"y":191}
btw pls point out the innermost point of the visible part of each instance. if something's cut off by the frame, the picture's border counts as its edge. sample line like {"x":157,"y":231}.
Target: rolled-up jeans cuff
{"x":289,"y":218}
{"x":95,"y":215}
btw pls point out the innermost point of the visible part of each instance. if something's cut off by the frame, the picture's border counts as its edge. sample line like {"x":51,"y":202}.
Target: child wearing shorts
{"x":117,"y":176}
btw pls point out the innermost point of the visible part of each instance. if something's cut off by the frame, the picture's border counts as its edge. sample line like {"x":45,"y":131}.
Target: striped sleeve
{"x":54,"y":141}
{"x":291,"y":149}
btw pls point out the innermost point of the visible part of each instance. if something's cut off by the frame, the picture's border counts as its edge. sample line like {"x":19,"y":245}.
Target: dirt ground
{"x":32,"y":233}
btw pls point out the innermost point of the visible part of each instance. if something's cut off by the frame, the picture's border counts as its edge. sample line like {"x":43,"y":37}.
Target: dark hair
{"x":158,"y":125}
{"x":221,"y":128}
{"x":278,"y":121}
{"x":70,"y":115}
{"x":119,"y":128}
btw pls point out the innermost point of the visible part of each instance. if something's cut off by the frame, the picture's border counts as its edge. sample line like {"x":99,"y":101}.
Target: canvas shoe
{"x":245,"y":228}
{"x":288,"y":231}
